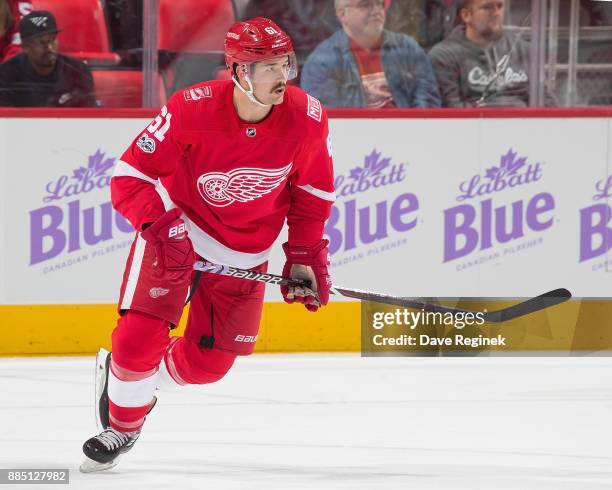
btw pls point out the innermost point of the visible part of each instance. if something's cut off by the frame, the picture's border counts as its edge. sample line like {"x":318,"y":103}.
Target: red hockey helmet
{"x":256,"y":40}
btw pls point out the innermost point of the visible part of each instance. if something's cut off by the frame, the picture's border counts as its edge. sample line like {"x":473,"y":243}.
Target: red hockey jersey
{"x":236,"y":182}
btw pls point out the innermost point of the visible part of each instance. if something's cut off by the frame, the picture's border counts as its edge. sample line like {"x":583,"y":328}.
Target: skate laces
{"x":112,"y":439}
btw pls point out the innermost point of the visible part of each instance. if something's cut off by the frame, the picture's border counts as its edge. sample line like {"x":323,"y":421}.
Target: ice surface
{"x":332,"y":421}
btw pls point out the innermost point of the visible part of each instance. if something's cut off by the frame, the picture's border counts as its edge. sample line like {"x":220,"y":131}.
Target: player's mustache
{"x":280,"y":85}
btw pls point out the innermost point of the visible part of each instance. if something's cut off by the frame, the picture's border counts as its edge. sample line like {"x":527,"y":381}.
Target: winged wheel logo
{"x":221,"y":189}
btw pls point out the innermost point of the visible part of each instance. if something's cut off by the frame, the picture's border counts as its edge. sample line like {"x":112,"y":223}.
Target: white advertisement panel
{"x":425,"y":207}
{"x":498,"y":210}
{"x":66,"y":245}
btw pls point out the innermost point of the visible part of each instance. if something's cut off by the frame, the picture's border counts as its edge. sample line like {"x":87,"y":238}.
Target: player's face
{"x":363,"y":17}
{"x":269,"y":79}
{"x":42,"y":52}
{"x":485,"y":18}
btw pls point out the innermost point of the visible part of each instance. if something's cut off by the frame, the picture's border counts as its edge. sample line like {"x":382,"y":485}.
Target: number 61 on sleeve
{"x":155,"y":129}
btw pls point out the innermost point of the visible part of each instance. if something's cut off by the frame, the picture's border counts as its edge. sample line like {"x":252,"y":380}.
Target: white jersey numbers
{"x":158,"y":129}
{"x":155,"y":129}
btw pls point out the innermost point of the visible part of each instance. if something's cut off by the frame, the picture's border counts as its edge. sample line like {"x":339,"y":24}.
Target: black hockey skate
{"x":102,"y":451}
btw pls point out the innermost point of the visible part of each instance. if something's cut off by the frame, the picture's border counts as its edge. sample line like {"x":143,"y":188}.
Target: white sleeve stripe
{"x":327,"y":196}
{"x":124,"y":169}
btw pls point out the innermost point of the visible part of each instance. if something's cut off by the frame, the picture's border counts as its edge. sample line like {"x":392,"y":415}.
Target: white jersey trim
{"x":131,"y":393}
{"x":205,"y":245}
{"x":124,"y":169}
{"x":165,"y":197}
{"x":209,"y":248}
{"x":168,"y":375}
{"x":326,"y":196}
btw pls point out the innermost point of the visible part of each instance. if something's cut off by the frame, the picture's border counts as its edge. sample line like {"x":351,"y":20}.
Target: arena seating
{"x":193,"y":26}
{"x":191,"y":34}
{"x":190,"y":42}
{"x":84,"y":31}
{"x":123,"y":88}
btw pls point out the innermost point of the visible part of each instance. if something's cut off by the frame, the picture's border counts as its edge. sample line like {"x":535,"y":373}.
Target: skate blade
{"x":91,"y":466}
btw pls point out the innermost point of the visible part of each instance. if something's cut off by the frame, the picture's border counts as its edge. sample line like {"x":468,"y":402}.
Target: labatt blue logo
{"x":351,"y":226}
{"x":595,"y":234}
{"x":63,"y":226}
{"x":498,"y":224}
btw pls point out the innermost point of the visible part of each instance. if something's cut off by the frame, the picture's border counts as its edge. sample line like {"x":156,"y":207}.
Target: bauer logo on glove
{"x":177,"y":232}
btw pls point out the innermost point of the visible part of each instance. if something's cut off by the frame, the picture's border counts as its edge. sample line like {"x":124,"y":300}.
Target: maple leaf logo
{"x":356,"y":173}
{"x":97,"y":166}
{"x":373,"y":165}
{"x":509,"y":164}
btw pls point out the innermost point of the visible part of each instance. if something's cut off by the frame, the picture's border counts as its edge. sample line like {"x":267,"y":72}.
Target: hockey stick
{"x":526,"y":307}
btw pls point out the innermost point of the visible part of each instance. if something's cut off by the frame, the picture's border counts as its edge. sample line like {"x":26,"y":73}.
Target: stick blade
{"x":541,"y":302}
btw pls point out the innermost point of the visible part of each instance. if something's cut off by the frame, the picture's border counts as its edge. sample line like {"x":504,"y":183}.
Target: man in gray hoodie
{"x":480,"y":65}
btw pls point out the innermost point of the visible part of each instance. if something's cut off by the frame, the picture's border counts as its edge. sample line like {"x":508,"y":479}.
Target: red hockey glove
{"x":307,"y":263}
{"x":174,"y":256}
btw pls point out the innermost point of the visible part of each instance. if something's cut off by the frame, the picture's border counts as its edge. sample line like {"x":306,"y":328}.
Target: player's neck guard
{"x":249,"y":93}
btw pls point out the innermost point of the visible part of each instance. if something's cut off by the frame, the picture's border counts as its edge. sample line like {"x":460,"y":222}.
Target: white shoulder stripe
{"x":327,"y":196}
{"x":124,"y":169}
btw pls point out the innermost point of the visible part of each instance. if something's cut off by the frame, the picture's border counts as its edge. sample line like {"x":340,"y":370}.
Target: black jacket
{"x":69,"y":85}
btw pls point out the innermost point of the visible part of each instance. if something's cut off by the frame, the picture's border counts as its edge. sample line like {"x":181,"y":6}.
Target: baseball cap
{"x":37,"y":23}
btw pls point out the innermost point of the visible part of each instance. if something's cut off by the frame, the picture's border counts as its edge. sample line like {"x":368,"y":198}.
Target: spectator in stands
{"x":11,"y":12}
{"x":363,"y":65}
{"x":40,"y":76}
{"x":479,"y":64}
{"x":308,"y":22}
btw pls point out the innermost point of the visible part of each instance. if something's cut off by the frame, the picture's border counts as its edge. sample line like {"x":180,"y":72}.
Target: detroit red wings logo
{"x":158,"y":292}
{"x":221,"y":189}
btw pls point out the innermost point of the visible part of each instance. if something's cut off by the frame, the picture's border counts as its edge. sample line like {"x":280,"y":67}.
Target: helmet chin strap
{"x":249,"y":93}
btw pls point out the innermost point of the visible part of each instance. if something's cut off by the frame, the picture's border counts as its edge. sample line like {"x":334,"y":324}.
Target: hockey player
{"x":215,"y":175}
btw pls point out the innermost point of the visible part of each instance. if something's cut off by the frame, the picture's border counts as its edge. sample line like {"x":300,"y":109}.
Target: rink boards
{"x":441,"y":207}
